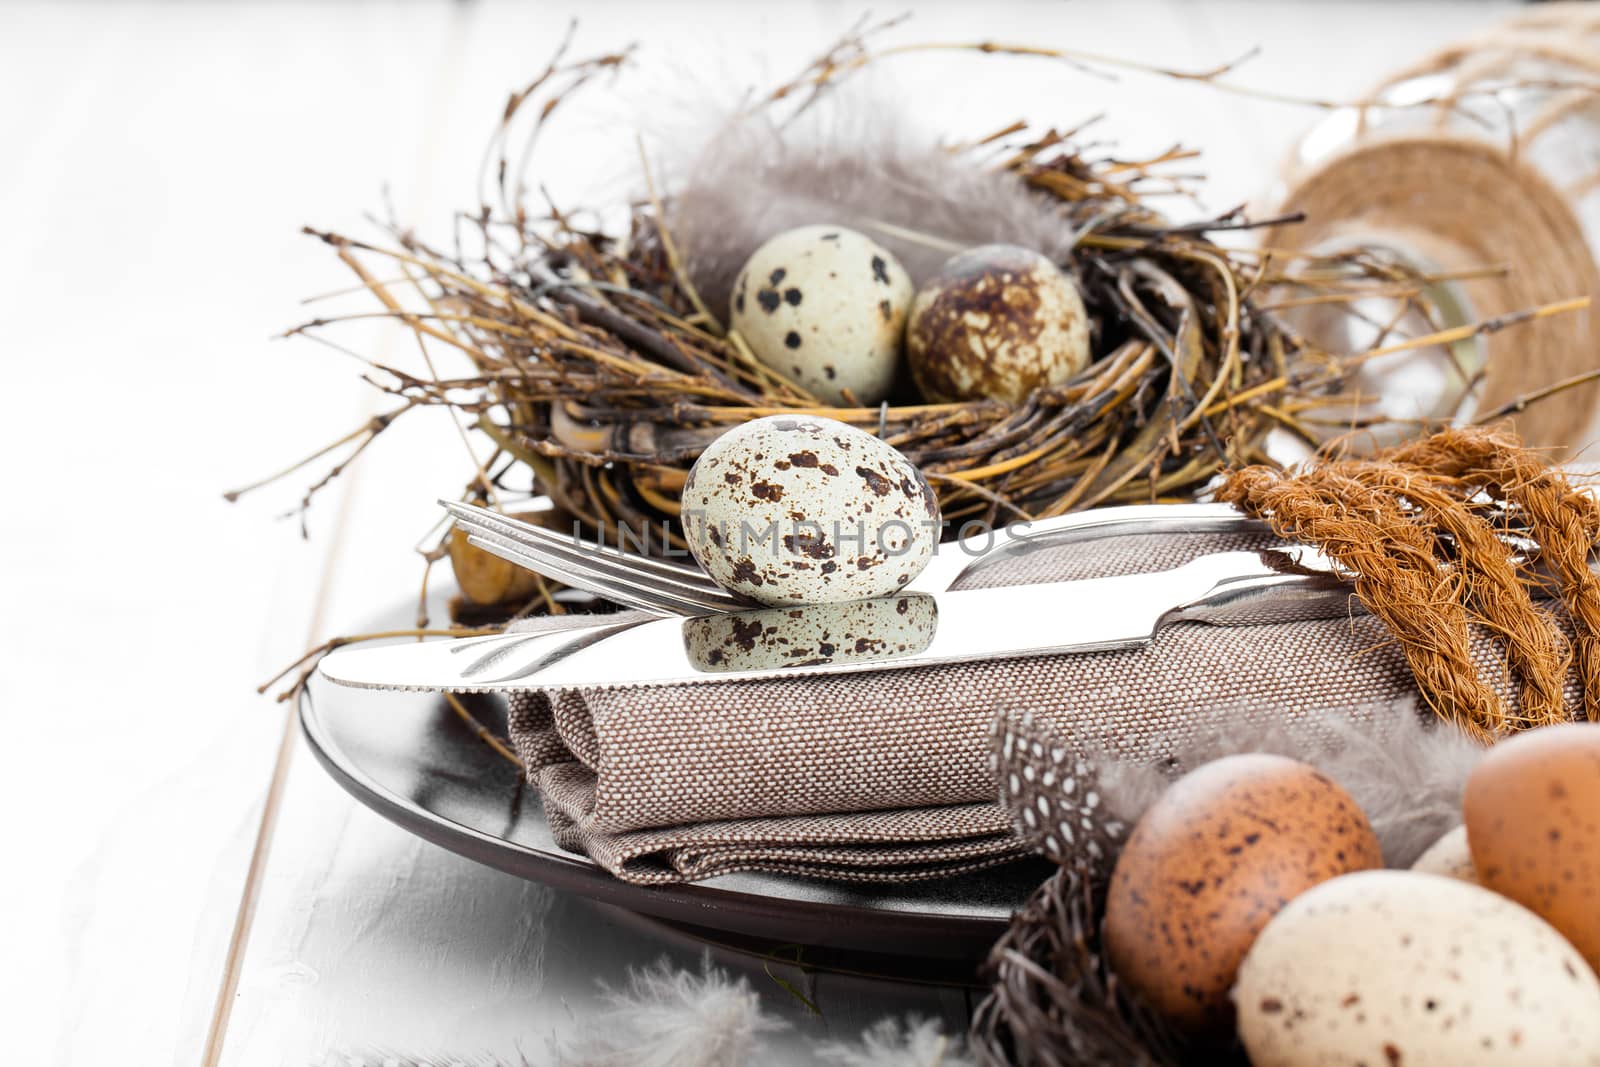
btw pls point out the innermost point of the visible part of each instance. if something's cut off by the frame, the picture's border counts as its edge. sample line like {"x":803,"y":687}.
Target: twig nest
{"x":1397,"y":967}
{"x":826,"y":307}
{"x":996,"y":322}
{"x":796,"y":509}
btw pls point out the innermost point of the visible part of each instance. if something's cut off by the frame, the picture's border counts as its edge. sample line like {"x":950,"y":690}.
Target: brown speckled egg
{"x":1402,"y":969}
{"x":996,"y":322}
{"x":1208,"y":866}
{"x":1532,"y":809}
{"x":826,"y":307}
{"x":797,"y":509}
{"x":1449,"y":856}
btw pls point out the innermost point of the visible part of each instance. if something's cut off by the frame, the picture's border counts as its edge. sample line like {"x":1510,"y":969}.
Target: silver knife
{"x":895,"y":632}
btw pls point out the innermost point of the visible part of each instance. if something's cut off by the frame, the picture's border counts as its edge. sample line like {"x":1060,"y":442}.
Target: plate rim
{"x":822,"y":923}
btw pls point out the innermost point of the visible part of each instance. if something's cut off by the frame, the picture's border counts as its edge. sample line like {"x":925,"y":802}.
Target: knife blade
{"x":896,"y":632}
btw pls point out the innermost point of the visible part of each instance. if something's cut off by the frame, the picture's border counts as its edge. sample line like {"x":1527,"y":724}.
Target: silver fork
{"x":664,"y":587}
{"x":657,"y":586}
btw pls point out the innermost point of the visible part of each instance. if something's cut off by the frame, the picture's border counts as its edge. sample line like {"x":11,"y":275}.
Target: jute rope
{"x":1535,"y":648}
{"x":1564,"y":522}
{"x":1420,"y":526}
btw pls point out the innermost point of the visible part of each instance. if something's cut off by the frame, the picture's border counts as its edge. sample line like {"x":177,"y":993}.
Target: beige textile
{"x":885,"y":776}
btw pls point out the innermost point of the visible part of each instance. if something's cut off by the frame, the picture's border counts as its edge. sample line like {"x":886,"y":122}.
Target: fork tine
{"x":623,"y":585}
{"x":696,"y":592}
{"x":668,"y":589}
{"x":654,"y":604}
{"x":609,"y":578}
{"x":696,"y":589}
{"x":526,"y":533}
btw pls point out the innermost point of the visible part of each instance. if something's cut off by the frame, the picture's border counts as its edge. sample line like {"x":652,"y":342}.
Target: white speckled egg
{"x":1449,"y":856}
{"x":825,"y":306}
{"x":1400,"y":968}
{"x":996,"y":322}
{"x":885,"y":627}
{"x":796,"y":509}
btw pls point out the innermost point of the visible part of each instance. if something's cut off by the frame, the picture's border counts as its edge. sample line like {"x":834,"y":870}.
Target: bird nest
{"x":1054,"y":999}
{"x":599,"y":374}
{"x":596,"y":363}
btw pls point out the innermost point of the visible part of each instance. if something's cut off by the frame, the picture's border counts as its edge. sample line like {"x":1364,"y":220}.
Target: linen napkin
{"x":886,"y":776}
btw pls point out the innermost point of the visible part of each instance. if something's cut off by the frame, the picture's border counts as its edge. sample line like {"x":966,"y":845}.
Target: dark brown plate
{"x":408,"y":757}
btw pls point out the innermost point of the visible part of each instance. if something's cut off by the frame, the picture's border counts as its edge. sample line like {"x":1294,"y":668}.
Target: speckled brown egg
{"x":853,"y":632}
{"x":797,"y":509}
{"x":1207,"y":867}
{"x":1449,"y":856}
{"x":1401,"y":969}
{"x":996,"y":322}
{"x":1532,"y":809}
{"x":826,"y":307}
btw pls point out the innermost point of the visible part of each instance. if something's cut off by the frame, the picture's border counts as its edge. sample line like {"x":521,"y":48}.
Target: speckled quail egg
{"x":1209,"y":863}
{"x":796,"y":509}
{"x":825,"y":306}
{"x":885,"y":627}
{"x":1418,"y":970}
{"x":996,"y":322}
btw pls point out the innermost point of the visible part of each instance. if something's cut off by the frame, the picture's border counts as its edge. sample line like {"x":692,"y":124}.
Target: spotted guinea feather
{"x":1056,"y":794}
{"x":855,"y":160}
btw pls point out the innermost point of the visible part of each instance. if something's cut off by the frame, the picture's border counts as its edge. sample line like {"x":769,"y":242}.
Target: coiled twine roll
{"x":1485,"y":155}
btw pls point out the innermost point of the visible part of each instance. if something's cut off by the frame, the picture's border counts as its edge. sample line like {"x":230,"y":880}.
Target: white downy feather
{"x":674,"y":1018}
{"x":893,"y":1043}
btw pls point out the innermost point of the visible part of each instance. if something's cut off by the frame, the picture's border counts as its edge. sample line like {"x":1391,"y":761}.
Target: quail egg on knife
{"x":825,"y":306}
{"x":1418,"y":970}
{"x":797,"y":509}
{"x":1209,"y":864}
{"x":996,"y":322}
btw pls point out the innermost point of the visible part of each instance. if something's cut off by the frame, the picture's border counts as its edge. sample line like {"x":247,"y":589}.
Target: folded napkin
{"x":887,"y":775}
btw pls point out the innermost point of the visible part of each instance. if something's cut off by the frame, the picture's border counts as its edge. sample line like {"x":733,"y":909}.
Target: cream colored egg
{"x":996,"y":322}
{"x":1397,"y":967}
{"x":795,"y":509}
{"x":1450,"y":857}
{"x":825,"y":306}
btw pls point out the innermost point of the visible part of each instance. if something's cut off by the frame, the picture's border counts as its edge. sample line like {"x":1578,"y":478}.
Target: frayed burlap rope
{"x":1535,"y":648}
{"x":1397,"y":577}
{"x":1429,"y":562}
{"x":1564,"y":522}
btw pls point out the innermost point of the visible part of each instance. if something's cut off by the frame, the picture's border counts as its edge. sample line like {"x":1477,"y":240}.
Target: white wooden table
{"x":181,"y":880}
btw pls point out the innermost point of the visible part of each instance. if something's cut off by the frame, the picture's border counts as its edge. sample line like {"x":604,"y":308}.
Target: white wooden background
{"x":156,"y":163}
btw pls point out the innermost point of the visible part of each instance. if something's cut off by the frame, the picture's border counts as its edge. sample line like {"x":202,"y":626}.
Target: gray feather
{"x":1405,"y":769}
{"x":854,"y":161}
